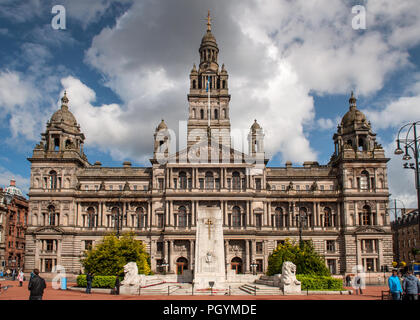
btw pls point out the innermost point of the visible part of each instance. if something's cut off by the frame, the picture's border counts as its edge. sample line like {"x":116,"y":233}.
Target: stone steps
{"x":254,"y":289}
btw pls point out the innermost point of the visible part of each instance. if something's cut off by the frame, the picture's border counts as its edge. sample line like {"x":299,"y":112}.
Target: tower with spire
{"x":209,"y":95}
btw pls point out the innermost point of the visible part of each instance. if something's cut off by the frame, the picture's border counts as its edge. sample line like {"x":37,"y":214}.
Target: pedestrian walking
{"x":348,"y":280}
{"x":394,"y":285}
{"x":8,"y":273}
{"x":117,"y":284}
{"x":20,"y":278}
{"x":89,"y":279}
{"x":36,"y":286}
{"x":411,"y":287}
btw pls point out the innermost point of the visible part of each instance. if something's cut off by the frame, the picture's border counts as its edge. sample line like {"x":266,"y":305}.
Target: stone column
{"x":171,"y":213}
{"x":166,"y":252}
{"x":380,"y":253}
{"x":253,"y":249}
{"x":246,"y":257}
{"x":225,"y":177}
{"x":226,"y":252}
{"x":197,"y":185}
{"x":356,"y":215}
{"x":171,"y":253}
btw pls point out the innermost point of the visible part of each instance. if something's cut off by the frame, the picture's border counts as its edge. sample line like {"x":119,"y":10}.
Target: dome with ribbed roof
{"x":13,"y":190}
{"x":63,"y":115}
{"x":162,"y":125}
{"x":353,"y":115}
{"x":255,"y":126}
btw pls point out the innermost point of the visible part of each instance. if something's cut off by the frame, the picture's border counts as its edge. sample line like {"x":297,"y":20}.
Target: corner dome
{"x":13,"y":190}
{"x":64,"y":115}
{"x":255,"y":126}
{"x":353,"y":115}
{"x":162,"y":125}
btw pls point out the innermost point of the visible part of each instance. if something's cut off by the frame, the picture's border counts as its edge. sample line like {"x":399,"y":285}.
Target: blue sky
{"x":125,"y":65}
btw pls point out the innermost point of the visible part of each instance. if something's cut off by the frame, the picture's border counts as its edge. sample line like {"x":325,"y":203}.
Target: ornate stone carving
{"x":132,"y":279}
{"x":288,"y":282}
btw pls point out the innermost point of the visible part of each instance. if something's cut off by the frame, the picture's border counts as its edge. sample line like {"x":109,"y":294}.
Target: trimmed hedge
{"x":319,"y":282}
{"x":98,"y":281}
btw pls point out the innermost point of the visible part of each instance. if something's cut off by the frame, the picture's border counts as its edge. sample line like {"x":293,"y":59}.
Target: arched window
{"x":53,"y":180}
{"x":236,"y":217}
{"x":224,"y":113}
{"x":182,"y":180}
{"x":209,"y":180}
{"x":194,"y":84}
{"x":201,"y":114}
{"x":91,"y":218}
{"x":182,"y":217}
{"x":216,"y":114}
{"x":327,"y":217}
{"x":224,"y":84}
{"x":52,"y":216}
{"x":278,"y":217}
{"x":236,"y":181}
{"x":116,"y":216}
{"x":366,"y":216}
{"x":141,"y":218}
{"x":193,"y":113}
{"x":364,"y":180}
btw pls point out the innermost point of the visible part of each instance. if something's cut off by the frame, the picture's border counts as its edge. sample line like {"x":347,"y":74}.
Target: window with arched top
{"x":224,"y":113}
{"x":201,"y":114}
{"x":52,"y":216}
{"x":236,"y":217}
{"x":366,"y":216}
{"x":278,"y":218}
{"x":209,"y":180}
{"x":53,"y":180}
{"x":182,"y":217}
{"x":182,"y":180}
{"x":364,"y":180}
{"x":236,"y":181}
{"x":224,"y":84}
{"x":193,"y":113}
{"x":216,"y":114}
{"x":141,"y":217}
{"x":92,"y":218}
{"x":327,"y":217}
{"x":194,"y":84}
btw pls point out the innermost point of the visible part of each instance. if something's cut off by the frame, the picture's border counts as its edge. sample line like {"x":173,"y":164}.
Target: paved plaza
{"x":21,"y":293}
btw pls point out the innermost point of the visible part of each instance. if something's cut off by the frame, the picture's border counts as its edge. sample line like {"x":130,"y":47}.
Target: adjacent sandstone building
{"x":73,"y":203}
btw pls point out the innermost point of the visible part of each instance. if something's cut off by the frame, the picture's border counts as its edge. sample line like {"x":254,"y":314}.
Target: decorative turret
{"x":208,"y":49}
{"x":256,"y":139}
{"x":162,"y":140}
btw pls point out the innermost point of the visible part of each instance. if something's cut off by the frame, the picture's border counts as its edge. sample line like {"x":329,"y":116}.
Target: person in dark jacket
{"x":348,"y":280}
{"x":117,"y":284}
{"x":411,"y":286}
{"x":89,"y":279}
{"x":36,"y":286}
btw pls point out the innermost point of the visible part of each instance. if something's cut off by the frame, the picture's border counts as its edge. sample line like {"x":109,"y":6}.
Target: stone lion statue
{"x":288,"y":274}
{"x":132,"y":276}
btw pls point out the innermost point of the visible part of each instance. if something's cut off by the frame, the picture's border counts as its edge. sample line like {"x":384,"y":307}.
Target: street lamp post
{"x":410,"y":144}
{"x":301,"y":219}
{"x":254,"y":268}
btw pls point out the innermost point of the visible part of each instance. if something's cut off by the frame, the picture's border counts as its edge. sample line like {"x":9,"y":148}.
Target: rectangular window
{"x":86,"y":187}
{"x":369,"y":264}
{"x":258,"y":221}
{"x":120,"y":187}
{"x":283,"y":187}
{"x":160,"y":184}
{"x":135,"y":187}
{"x":160,"y":220}
{"x":145,"y":188}
{"x":330,"y":246}
{"x":175,"y":183}
{"x":259,"y":264}
{"x":88,"y":244}
{"x":228,"y":183}
{"x":259,"y":247}
{"x":159,"y":246}
{"x":201,"y":182}
{"x":217,"y":181}
{"x":307,"y":187}
{"x":258,"y":184}
{"x":49,"y":245}
{"x":331,"y":263}
{"x":322,"y":187}
{"x":297,"y":187}
{"x":368,"y":245}
{"x":110,"y":187}
{"x":189,"y":183}
{"x":331,"y":187}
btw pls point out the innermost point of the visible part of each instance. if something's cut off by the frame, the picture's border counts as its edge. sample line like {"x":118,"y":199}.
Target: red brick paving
{"x":22,"y":293}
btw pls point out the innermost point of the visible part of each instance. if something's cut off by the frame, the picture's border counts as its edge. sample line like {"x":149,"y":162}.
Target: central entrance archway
{"x":181,"y":265}
{"x":236,"y":264}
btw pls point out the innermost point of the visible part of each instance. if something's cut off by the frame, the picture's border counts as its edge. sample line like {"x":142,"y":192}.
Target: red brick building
{"x":13,"y":222}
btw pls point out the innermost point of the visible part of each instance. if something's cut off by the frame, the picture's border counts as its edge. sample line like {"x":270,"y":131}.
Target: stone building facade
{"x":73,"y":203}
{"x":13,"y":223}
{"x":406,"y":236}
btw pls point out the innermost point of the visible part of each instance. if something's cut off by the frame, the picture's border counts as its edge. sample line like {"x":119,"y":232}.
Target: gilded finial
{"x":208,"y":21}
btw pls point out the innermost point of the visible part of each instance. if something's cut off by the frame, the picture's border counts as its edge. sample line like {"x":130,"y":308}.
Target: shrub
{"x":319,"y":282}
{"x":109,"y":257}
{"x":98,"y":281}
{"x":306,"y":259}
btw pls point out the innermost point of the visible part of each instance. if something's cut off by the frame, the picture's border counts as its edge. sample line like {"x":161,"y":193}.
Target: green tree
{"x":111,"y":254}
{"x":306,"y":259}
